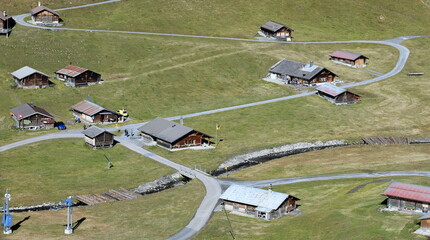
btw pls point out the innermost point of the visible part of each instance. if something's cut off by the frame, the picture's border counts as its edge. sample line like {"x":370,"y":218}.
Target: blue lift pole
{"x":7,"y":218}
{"x":69,"y":203}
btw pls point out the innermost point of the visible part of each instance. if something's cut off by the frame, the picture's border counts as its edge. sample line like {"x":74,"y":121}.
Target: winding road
{"x":212,"y":185}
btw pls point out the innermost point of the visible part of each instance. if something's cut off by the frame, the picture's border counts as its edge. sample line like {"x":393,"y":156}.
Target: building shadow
{"x":18,"y":224}
{"x":78,"y":223}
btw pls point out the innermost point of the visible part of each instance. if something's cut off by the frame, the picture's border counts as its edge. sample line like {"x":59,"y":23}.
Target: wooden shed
{"x":405,"y":196}
{"x":258,"y":203}
{"x":74,"y":76}
{"x":6,"y":23}
{"x":349,"y":59}
{"x":27,"y":77}
{"x":337,"y":95}
{"x":173,"y":135}
{"x":44,"y":16}
{"x":29,"y":116}
{"x":98,"y":138}
{"x":425,"y":222}
{"x":90,"y":112}
{"x":297,"y":73}
{"x":276,"y":30}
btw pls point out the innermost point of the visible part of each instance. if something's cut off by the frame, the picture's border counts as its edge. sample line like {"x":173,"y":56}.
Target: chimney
{"x":181,"y":121}
{"x":311,"y":63}
{"x":4,"y":13}
{"x":270,"y":189}
{"x":39,"y":4}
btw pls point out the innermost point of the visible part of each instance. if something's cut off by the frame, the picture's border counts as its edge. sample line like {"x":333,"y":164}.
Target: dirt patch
{"x":354,"y":190}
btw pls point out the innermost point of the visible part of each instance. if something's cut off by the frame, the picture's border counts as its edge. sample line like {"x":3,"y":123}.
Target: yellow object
{"x":218,"y":127}
{"x":123,"y":112}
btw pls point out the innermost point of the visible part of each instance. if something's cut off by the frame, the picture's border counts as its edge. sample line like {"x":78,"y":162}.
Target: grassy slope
{"x":24,"y":6}
{"x":312,"y":20}
{"x":330,"y":213}
{"x":57,"y":168}
{"x":155,"y":216}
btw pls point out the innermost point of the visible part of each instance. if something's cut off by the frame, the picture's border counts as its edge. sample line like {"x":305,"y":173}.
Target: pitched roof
{"x":427,"y":216}
{"x":4,"y":17}
{"x":346,"y":55}
{"x":331,"y":89}
{"x":296,"y":69}
{"x":263,"y":199}
{"x":94,"y":131}
{"x":42,"y":8}
{"x":72,"y":71}
{"x":26,"y":110}
{"x":90,"y":108}
{"x":165,"y":130}
{"x":274,"y":26}
{"x":25,"y":72}
{"x":408,"y":191}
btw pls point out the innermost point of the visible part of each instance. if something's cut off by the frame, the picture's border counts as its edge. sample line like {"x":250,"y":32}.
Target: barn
{"x":44,"y":16}
{"x":405,"y":196}
{"x":337,"y":95}
{"x":258,"y":203}
{"x":6,"y":23}
{"x":90,"y":112}
{"x":29,"y":116}
{"x":98,"y":138}
{"x":27,"y":77}
{"x":276,"y":30}
{"x":173,"y":135}
{"x":74,"y":76}
{"x":349,"y":59}
{"x":297,"y":73}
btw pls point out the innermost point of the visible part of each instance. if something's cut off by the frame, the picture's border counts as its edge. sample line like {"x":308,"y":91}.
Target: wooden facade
{"x":425,"y":223}
{"x":336,"y":94}
{"x":350,"y":59}
{"x":276,"y":30}
{"x":28,"y":116}
{"x":99,"y":138}
{"x":6,"y":23}
{"x":409,"y":197}
{"x":90,"y":112}
{"x":407,"y":204}
{"x":192,"y":139}
{"x":34,"y":80}
{"x":86,"y":78}
{"x":44,"y":16}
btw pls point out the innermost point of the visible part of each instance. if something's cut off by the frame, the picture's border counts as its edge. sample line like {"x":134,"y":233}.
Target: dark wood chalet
{"x":349,"y":59}
{"x":336,"y":94}
{"x":297,"y":73}
{"x":6,"y":23}
{"x":90,"y":112}
{"x":28,"y":77}
{"x":98,"y":138}
{"x":405,"y":196}
{"x":44,"y":16}
{"x":276,"y":30}
{"x":258,"y":203}
{"x":28,"y":116}
{"x":77,"y":76}
{"x":425,"y":222}
{"x":173,"y":135}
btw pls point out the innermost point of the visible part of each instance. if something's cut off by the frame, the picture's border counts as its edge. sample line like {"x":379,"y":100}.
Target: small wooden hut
{"x":75,"y":76}
{"x":6,"y":23}
{"x":349,"y":59}
{"x":27,"y":77}
{"x":98,"y":138}
{"x":92,"y":113}
{"x":337,"y":95}
{"x":29,"y":116}
{"x":277,"y":31}
{"x":425,"y":222}
{"x":405,"y":196}
{"x":44,"y":16}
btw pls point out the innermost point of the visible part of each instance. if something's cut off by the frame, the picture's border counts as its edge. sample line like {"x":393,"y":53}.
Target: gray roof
{"x":26,"y":110}
{"x":25,"y":72}
{"x":41,"y":8}
{"x":331,"y":89}
{"x":4,"y":17}
{"x":296,"y":69}
{"x":165,"y":130}
{"x":94,"y":131}
{"x":90,"y":108}
{"x":427,"y":216}
{"x":264,"y":200}
{"x":274,"y":26}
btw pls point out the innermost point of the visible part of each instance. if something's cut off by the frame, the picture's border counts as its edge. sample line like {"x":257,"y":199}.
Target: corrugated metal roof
{"x":26,"y":110}
{"x":72,"y":71}
{"x":408,"y":191}
{"x":166,"y":130}
{"x":330,"y":89}
{"x":25,"y":72}
{"x":94,"y":131}
{"x":346,"y":55}
{"x":42,"y":8}
{"x":265,"y":200}
{"x":274,"y":26}
{"x":296,"y":69}
{"x":90,"y":108}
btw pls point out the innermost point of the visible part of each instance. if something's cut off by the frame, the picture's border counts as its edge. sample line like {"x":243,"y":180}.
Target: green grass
{"x":329,"y":213}
{"x":154,"y":216}
{"x":52,"y":170}
{"x":311,"y":20}
{"x":24,"y":6}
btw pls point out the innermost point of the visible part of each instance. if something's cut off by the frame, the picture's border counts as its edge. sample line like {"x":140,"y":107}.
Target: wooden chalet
{"x":44,"y":16}
{"x":297,"y":73}
{"x":98,"y":138}
{"x":173,"y":135}
{"x":90,"y":112}
{"x":425,"y":222}
{"x":349,"y":59}
{"x":276,"y":30}
{"x":28,"y":77}
{"x":75,"y":76}
{"x":258,"y":203}
{"x":337,"y":95}
{"x":29,"y":116}
{"x":405,"y":196}
{"x":6,"y":23}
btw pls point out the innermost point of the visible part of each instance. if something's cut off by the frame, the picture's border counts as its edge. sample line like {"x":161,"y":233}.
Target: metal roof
{"x":408,"y":191}
{"x":165,"y":130}
{"x":90,"y":108}
{"x":346,"y":55}
{"x":264,"y":200}
{"x":274,"y":26}
{"x":72,"y":71}
{"x":42,"y":8}
{"x":25,"y":72}
{"x":330,"y":89}
{"x":26,"y":110}
{"x":296,"y":69}
{"x":94,"y":131}
{"x":4,"y":17}
{"x":427,"y":216}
